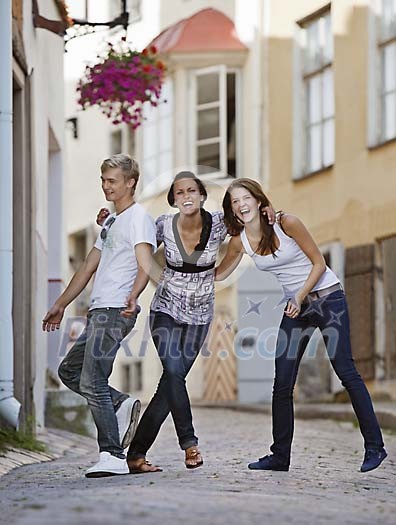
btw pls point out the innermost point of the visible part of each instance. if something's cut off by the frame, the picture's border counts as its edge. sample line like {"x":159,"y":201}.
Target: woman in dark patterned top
{"x":180,"y":314}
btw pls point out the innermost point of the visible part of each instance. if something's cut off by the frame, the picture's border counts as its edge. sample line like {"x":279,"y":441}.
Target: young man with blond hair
{"x":120,"y":260}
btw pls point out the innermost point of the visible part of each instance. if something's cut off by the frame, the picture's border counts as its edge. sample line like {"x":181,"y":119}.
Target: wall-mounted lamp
{"x":73,"y":124}
{"x":81,"y":27}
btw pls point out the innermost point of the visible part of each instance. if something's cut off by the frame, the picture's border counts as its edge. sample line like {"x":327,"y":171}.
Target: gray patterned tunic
{"x":186,"y":287}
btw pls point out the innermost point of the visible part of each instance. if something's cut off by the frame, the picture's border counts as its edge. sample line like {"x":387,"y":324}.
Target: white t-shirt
{"x":117,"y":268}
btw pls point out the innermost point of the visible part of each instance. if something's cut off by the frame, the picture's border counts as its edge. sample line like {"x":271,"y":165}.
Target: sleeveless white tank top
{"x":290,"y":266}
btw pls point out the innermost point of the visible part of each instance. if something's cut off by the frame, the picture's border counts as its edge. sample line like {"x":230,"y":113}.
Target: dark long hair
{"x":235,"y":225}
{"x":186,"y":175}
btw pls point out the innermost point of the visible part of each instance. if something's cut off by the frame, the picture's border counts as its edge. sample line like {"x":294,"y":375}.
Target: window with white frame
{"x":78,"y":9}
{"x":318,"y":85}
{"x":133,"y":7}
{"x":387,"y":52}
{"x":116,"y":142}
{"x":123,"y":140}
{"x":131,"y":142}
{"x":132,"y":377}
{"x":213,"y":132}
{"x":157,"y":135}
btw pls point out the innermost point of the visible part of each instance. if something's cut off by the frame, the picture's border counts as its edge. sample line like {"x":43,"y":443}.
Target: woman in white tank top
{"x":314,"y":299}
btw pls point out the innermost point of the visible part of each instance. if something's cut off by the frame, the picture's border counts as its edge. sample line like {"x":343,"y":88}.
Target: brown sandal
{"x":193,"y":457}
{"x":142,"y":466}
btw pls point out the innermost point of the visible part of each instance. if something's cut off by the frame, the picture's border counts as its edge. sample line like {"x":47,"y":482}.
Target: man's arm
{"x":144,"y":257}
{"x":77,"y":284}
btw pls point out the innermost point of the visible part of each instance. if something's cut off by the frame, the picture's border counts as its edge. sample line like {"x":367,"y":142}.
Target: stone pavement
{"x":385,"y":411}
{"x":324,"y":484}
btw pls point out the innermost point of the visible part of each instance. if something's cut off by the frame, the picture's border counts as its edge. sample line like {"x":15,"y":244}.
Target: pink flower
{"x":121,"y":82}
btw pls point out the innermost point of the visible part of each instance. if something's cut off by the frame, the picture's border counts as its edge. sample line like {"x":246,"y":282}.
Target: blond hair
{"x":129,"y":167}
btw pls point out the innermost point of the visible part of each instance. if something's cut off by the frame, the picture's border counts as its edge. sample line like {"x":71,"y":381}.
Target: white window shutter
{"x":299,"y":104}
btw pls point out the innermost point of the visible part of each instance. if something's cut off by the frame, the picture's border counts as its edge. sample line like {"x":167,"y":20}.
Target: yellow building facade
{"x":351,"y":198}
{"x":315,"y":122}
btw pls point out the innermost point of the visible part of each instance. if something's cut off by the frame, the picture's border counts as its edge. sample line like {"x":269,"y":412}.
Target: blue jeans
{"x":330,"y":315}
{"x":87,"y":368}
{"x":178,"y":345}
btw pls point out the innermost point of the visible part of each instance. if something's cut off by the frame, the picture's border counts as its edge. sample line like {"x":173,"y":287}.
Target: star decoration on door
{"x":228,"y":326}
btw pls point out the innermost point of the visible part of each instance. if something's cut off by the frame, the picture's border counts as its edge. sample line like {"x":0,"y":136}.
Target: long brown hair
{"x":235,"y":225}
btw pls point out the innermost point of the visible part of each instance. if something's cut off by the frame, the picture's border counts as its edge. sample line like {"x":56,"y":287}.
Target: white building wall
{"x":44,"y":55}
{"x":83,"y":193}
{"x":174,"y":10}
{"x":84,"y":154}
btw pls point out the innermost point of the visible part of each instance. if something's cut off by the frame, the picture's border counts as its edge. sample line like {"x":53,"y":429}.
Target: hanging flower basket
{"x":121,"y":82}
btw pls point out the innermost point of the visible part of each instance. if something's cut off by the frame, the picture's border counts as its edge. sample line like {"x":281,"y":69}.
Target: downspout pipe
{"x":9,"y":406}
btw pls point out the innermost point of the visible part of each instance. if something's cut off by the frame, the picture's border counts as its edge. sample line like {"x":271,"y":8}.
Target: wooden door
{"x":389,"y":269}
{"x":359,"y":289}
{"x":220,"y":372}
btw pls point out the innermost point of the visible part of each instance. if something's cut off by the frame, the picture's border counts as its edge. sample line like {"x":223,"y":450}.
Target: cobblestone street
{"x":324,"y":484}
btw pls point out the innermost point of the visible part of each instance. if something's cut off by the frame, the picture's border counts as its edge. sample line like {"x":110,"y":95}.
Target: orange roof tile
{"x":207,"y":30}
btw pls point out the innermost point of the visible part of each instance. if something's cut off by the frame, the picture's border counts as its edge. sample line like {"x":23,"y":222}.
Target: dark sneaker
{"x":268,"y":463}
{"x":373,"y":459}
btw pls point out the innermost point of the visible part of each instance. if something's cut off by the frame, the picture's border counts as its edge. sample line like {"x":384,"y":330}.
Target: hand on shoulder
{"x":102,"y":215}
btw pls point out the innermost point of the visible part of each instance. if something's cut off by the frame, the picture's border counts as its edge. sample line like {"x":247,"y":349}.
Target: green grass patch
{"x":10,"y":438}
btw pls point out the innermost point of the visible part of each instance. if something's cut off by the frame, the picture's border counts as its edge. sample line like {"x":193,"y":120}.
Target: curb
{"x":15,"y":457}
{"x":58,"y":443}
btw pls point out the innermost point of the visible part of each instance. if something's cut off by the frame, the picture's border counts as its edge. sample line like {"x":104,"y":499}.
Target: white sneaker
{"x":128,"y":418}
{"x":107,"y":465}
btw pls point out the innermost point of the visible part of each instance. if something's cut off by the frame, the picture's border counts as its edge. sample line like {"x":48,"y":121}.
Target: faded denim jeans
{"x":87,"y":368}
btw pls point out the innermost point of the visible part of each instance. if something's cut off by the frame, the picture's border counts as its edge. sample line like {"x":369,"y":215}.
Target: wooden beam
{"x":55,"y":26}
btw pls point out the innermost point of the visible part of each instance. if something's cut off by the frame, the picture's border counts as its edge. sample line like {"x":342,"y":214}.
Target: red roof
{"x":207,"y":30}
